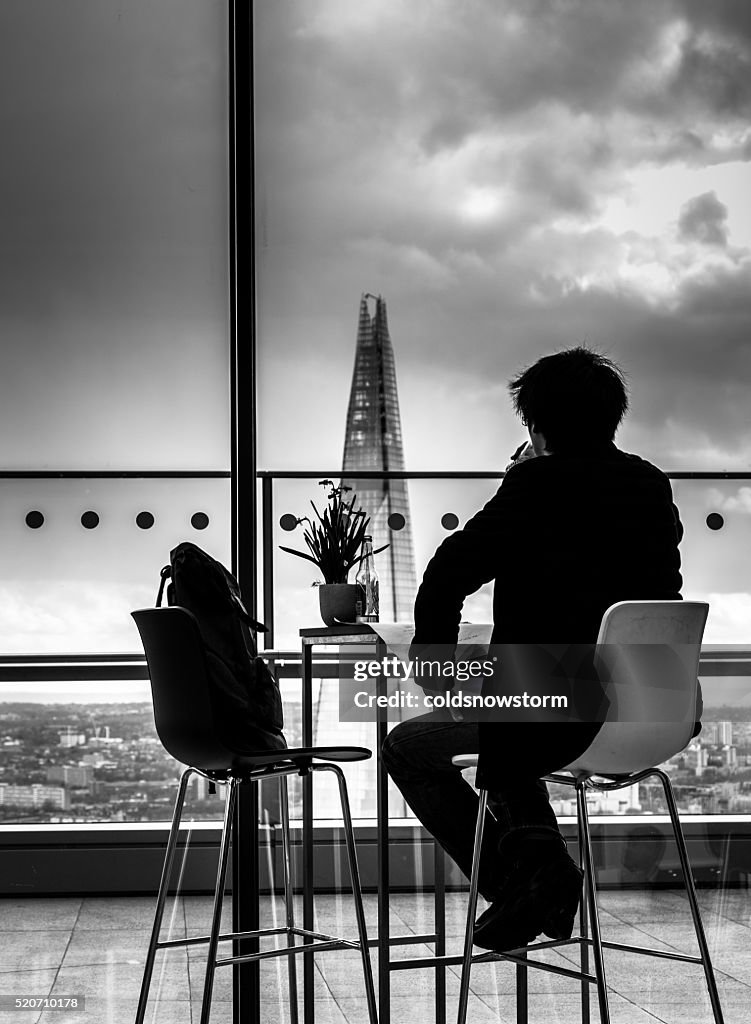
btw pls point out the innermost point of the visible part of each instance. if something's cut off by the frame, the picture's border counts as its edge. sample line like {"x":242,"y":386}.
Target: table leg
{"x":439,"y":900}
{"x":522,"y":998}
{"x":307,"y":835}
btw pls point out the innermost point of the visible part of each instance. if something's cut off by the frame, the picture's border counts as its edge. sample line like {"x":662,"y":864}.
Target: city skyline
{"x":60,"y":764}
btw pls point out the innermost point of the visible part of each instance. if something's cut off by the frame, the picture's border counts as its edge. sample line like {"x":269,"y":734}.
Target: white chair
{"x":651,"y":652}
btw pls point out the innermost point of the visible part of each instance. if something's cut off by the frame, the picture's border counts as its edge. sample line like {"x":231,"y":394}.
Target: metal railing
{"x":267,"y":479}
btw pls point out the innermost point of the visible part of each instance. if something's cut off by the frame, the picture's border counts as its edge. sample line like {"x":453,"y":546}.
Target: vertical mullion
{"x":245,"y":860}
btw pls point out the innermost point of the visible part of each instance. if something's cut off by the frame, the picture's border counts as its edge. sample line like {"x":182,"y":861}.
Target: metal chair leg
{"x":591,"y":892}
{"x":472,"y":908}
{"x":439,"y":912}
{"x":161,"y":899}
{"x":221,"y":878}
{"x":693,"y":903}
{"x":354,"y":872}
{"x":522,"y":992}
{"x":289,"y":899}
{"x":583,"y":931}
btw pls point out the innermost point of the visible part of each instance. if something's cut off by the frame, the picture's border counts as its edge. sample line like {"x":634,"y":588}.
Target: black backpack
{"x":244,"y":694}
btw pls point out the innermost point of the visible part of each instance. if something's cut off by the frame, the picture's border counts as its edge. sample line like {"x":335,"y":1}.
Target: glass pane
{"x":478,"y":177}
{"x":716,"y":558}
{"x":86,"y":752}
{"x":296,"y":599}
{"x":114,"y":253}
{"x":716,"y":553}
{"x":712,"y":776}
{"x":75,"y":752}
{"x":481,"y":174}
{"x":66,"y":588}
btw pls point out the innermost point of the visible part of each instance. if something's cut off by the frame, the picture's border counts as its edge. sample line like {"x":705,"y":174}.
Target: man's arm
{"x":699,"y":699}
{"x":470,"y":558}
{"x":676,"y":515}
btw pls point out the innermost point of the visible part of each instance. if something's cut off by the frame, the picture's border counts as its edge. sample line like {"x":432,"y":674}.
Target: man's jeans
{"x":418,"y":753}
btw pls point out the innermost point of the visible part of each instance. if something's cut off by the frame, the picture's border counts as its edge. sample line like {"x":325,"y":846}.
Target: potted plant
{"x":335,"y":542}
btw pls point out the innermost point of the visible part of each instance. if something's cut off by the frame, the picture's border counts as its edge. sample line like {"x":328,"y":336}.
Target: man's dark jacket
{"x":564,"y":537}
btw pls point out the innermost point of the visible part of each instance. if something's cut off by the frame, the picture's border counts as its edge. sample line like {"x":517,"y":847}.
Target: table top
{"x":356,"y":632}
{"x":716,"y":660}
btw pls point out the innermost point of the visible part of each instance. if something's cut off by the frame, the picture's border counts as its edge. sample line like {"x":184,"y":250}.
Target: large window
{"x":513,"y":178}
{"x":509,"y":182}
{"x":114,"y":390}
{"x":114,"y":304}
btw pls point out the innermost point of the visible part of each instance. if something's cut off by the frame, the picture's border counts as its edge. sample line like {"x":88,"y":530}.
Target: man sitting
{"x":569,"y":532}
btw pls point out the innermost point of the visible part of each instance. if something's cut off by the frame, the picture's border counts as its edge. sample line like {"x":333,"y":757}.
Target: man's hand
{"x":433,"y":652}
{"x":523,"y":452}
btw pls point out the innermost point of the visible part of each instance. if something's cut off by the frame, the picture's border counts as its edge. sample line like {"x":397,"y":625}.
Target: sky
{"x":113,"y":238}
{"x":513,"y":177}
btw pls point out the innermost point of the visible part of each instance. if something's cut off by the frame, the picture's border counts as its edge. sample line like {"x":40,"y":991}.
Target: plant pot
{"x":338,"y":602}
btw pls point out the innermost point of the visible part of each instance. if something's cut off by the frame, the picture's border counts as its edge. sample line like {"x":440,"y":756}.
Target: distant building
{"x":35,"y":795}
{"x":620,"y":801}
{"x":724,"y":734}
{"x":71,"y":739}
{"x":81,"y":776}
{"x":105,"y":741}
{"x":718,"y":734}
{"x":198,"y":787}
{"x":696,"y":758}
{"x":730,"y":757}
{"x":96,"y":760}
{"x":373,"y":441}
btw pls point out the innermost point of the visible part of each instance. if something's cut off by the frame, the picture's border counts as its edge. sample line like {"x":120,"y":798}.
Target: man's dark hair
{"x":575,"y":397}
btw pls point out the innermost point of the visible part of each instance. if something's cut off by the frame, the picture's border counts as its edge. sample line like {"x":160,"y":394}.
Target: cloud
{"x":729,"y":615}
{"x":70,"y":616}
{"x":740,"y":502}
{"x":704,"y":219}
{"x":713,"y":73}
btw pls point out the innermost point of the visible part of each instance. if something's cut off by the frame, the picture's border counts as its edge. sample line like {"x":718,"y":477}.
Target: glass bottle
{"x":367,"y":581}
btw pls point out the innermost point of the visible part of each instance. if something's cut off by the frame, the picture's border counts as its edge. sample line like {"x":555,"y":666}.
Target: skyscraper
{"x":373,"y":441}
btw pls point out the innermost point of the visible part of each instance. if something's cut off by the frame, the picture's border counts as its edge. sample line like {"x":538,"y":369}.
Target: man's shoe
{"x":541,"y":895}
{"x":560,"y":921}
{"x":495,"y":930}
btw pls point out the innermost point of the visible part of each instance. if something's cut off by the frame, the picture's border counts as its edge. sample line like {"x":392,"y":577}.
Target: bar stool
{"x":651,"y":718}
{"x":186,"y":727}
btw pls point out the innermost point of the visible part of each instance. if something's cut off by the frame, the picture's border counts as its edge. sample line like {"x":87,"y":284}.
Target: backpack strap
{"x":242,"y":611}
{"x":164,"y":575}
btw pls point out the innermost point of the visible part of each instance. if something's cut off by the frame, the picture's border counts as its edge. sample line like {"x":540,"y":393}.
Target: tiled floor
{"x":95,"y":948}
